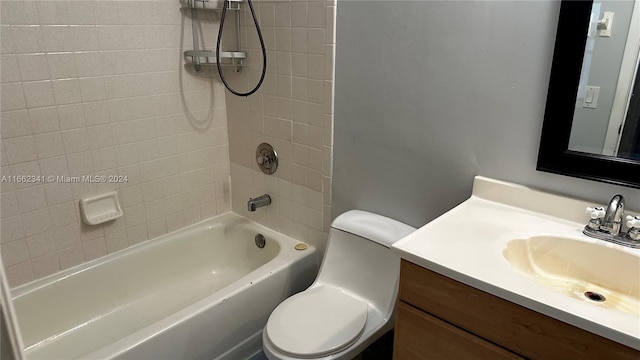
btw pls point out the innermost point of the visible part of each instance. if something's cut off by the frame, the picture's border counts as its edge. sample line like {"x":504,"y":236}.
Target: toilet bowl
{"x":351,"y":302}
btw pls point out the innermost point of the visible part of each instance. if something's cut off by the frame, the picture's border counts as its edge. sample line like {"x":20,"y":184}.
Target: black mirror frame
{"x":554,"y":155}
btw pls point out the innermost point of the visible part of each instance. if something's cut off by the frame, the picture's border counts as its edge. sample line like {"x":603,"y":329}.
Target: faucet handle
{"x":633,"y":221}
{"x":595,"y":212}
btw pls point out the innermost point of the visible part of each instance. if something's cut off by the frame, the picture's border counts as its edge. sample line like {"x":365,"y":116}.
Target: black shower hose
{"x":264,"y":51}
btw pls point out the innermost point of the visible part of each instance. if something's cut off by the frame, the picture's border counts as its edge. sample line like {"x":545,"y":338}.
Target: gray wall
{"x":431,"y":93}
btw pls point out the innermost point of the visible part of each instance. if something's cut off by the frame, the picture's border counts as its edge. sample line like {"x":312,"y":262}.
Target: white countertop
{"x":467,"y":244}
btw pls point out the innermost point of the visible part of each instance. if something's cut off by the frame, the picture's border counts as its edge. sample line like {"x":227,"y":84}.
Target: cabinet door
{"x":419,"y":335}
{"x":502,"y":322}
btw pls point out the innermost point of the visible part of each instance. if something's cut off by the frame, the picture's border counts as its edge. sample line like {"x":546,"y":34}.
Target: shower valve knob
{"x":267,"y":158}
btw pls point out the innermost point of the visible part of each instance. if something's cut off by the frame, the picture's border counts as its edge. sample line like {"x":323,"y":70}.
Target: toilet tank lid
{"x":378,"y":228}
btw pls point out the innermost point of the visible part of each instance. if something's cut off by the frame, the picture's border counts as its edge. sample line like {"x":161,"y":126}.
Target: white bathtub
{"x":204,"y":292}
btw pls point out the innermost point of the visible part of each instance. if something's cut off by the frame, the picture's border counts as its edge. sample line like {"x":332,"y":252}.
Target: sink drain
{"x":594,"y":296}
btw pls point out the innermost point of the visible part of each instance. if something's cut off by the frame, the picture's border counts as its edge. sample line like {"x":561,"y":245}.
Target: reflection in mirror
{"x":629,"y":145}
{"x":616,"y":164}
{"x":605,"y":120}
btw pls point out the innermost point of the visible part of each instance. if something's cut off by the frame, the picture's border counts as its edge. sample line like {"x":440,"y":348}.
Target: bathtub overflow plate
{"x":260,"y":241}
{"x":267,"y":158}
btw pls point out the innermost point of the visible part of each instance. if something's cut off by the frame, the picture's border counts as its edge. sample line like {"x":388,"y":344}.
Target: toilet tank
{"x":358,"y":258}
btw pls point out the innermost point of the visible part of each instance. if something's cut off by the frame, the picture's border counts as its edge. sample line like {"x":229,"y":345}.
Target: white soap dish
{"x":100,"y":208}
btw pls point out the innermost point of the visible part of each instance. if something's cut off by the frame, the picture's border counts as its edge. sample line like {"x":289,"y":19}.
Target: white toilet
{"x":351,"y":303}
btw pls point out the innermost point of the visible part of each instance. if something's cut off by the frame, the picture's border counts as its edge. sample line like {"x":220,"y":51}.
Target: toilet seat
{"x":316,"y":322}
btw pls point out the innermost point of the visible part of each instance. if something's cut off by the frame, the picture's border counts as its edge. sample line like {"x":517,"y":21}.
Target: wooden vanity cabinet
{"x":440,"y":318}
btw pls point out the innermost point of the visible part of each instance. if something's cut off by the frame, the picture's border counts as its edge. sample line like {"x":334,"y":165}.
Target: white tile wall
{"x":98,"y":87}
{"x":293,"y":111}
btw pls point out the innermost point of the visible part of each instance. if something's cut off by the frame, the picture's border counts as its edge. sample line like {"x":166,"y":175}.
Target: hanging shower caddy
{"x":202,"y":57}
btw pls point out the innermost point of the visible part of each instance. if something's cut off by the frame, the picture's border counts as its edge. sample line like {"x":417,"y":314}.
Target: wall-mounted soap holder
{"x":101,"y":208}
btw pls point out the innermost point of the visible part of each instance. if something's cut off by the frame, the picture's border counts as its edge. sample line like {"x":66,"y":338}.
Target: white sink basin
{"x":527,"y":246}
{"x":599,"y":275}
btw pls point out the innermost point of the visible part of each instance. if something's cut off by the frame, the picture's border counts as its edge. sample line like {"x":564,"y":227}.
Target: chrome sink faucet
{"x":607,"y":224}
{"x":612,"y":221}
{"x":260,"y":201}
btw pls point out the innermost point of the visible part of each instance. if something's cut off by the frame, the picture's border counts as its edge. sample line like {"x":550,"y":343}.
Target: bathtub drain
{"x":260,"y":241}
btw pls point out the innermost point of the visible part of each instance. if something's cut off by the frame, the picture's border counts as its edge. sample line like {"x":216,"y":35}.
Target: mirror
{"x":590,"y":126}
{"x":604,"y":106}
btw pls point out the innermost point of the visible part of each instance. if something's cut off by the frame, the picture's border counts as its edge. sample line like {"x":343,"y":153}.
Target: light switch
{"x":605,"y":24}
{"x":591,"y":97}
